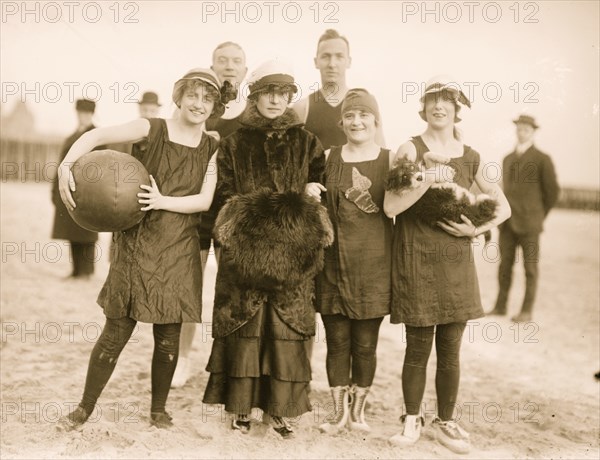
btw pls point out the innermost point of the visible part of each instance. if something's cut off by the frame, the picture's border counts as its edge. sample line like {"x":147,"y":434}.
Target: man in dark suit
{"x":83,"y":242}
{"x":532,"y":190}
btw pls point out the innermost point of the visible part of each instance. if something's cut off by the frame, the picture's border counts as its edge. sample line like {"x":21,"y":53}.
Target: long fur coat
{"x":272,"y":236}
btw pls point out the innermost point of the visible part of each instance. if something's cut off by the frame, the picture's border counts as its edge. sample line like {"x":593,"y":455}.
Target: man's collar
{"x":522,"y":148}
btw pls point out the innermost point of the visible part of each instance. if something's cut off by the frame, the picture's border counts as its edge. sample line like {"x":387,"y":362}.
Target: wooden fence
{"x":579,"y":198}
{"x":28,"y":161}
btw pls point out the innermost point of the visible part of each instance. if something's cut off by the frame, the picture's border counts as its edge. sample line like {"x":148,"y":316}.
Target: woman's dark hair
{"x":291,"y":89}
{"x":457,"y":107}
{"x":220,"y":98}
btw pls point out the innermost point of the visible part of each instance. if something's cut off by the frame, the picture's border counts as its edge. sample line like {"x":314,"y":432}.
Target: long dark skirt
{"x":262,"y":364}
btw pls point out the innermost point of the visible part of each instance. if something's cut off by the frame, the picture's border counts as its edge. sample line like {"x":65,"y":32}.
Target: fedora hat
{"x":85,"y":105}
{"x":149,"y":97}
{"x":527,"y":119}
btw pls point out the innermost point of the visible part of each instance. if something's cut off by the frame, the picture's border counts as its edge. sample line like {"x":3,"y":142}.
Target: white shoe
{"x":410,"y":432}
{"x":182,"y":373}
{"x":356,"y":421}
{"x":338,"y":419}
{"x":452,"y":436}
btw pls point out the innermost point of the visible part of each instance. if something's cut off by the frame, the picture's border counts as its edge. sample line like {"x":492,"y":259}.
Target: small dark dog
{"x":444,"y":200}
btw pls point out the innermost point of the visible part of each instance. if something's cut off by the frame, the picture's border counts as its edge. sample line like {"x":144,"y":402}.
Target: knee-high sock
{"x":164,"y":362}
{"x":104,"y":357}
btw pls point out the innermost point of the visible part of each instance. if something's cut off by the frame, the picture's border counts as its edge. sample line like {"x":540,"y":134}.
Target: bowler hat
{"x":150,"y":97}
{"x":85,"y":105}
{"x":527,"y":119}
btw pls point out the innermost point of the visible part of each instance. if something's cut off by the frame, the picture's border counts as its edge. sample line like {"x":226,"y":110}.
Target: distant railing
{"x":579,"y":198}
{"x":36,"y":161}
{"x":28,"y":161}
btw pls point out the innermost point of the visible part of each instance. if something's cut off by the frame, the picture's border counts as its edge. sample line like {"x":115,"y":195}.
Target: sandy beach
{"x":527,"y":390}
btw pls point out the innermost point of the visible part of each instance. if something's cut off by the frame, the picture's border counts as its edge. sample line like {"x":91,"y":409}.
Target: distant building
{"x":26,"y":154}
{"x":18,"y":124}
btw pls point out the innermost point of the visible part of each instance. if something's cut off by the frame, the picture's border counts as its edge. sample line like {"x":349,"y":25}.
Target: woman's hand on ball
{"x":66,"y":185}
{"x":153,"y":199}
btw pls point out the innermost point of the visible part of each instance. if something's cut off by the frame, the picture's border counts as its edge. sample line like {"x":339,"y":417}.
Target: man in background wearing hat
{"x":321,"y":110}
{"x":531,"y":188}
{"x":82,"y":241}
{"x":149,"y":107}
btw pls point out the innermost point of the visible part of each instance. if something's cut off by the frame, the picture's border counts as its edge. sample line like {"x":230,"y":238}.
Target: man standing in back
{"x":532,"y":190}
{"x":321,"y":110}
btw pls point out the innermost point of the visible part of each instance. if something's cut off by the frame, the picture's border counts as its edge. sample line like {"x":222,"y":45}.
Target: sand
{"x":527,"y":391}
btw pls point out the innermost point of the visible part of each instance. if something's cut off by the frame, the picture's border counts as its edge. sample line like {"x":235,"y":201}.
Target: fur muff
{"x":443,"y":201}
{"x":275,"y":240}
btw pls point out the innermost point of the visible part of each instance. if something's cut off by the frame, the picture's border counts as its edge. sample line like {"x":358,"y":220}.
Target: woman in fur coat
{"x":260,"y":323}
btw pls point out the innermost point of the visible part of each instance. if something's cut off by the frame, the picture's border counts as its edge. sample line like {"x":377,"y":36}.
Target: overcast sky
{"x":510,"y":57}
